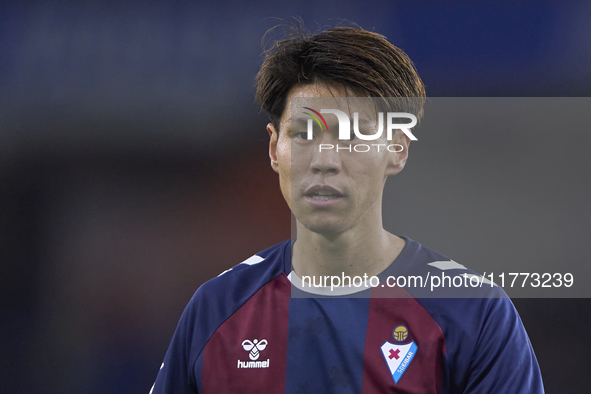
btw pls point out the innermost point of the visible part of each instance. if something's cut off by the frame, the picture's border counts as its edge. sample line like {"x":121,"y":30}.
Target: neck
{"x":356,"y":251}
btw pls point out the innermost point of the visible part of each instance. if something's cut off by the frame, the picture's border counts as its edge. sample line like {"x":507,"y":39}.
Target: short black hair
{"x":359,"y":59}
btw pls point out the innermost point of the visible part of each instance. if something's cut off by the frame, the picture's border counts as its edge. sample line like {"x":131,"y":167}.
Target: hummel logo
{"x":254,"y":348}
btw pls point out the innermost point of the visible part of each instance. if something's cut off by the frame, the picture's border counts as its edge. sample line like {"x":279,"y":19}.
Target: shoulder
{"x":217,"y":299}
{"x":482,"y":329}
{"x":453,"y":294}
{"x":459,"y":300}
{"x":211,"y":305}
{"x":235,"y":285}
{"x":435,"y":275}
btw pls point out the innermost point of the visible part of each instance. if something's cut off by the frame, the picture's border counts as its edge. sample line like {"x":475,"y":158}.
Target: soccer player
{"x":257,"y":327}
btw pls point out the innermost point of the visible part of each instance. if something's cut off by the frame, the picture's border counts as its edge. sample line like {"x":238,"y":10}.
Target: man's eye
{"x":304,"y":136}
{"x":352,"y":136}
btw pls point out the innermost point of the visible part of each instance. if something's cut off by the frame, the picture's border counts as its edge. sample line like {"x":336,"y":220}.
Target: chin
{"x":324,"y":227}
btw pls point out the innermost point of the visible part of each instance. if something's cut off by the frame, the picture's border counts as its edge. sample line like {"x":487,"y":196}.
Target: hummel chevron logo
{"x":254,"y":349}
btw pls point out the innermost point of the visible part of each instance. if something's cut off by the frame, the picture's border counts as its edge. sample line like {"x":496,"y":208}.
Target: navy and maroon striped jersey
{"x":251,"y":330}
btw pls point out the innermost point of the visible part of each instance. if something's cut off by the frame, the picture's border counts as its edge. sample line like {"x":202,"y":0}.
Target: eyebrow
{"x":302,"y":120}
{"x":366,"y":122}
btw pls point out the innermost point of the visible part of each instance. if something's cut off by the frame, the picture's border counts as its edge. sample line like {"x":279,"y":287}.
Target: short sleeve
{"x":503,"y":360}
{"x":176,"y":374}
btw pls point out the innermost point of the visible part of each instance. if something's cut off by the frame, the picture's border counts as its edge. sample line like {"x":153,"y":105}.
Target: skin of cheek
{"x":368,"y":170}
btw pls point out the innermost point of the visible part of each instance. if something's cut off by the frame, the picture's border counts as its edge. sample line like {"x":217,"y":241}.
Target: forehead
{"x":325,"y":95}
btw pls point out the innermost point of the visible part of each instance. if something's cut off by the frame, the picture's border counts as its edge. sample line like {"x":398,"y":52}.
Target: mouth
{"x":323,"y":194}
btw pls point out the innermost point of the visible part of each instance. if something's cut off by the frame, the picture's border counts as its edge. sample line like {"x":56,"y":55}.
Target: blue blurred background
{"x":134,"y":167}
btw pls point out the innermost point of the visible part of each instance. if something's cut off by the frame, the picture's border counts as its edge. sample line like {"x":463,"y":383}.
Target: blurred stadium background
{"x":133,"y":164}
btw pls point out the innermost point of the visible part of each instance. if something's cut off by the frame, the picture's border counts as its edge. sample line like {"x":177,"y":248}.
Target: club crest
{"x":398,"y":356}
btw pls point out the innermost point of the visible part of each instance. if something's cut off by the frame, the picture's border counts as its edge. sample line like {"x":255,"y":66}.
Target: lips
{"x":322,"y":192}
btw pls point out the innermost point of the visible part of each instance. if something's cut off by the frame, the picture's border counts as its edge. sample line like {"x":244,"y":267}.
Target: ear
{"x":274,"y":135}
{"x":397,"y":160}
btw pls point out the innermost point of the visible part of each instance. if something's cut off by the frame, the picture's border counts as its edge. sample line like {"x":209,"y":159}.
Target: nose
{"x":326,"y":160}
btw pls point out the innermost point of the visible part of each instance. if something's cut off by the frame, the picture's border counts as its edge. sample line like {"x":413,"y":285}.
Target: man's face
{"x":330,"y":192}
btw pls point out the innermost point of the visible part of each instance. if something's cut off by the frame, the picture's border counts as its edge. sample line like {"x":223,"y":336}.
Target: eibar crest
{"x":254,"y":349}
{"x":398,"y":357}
